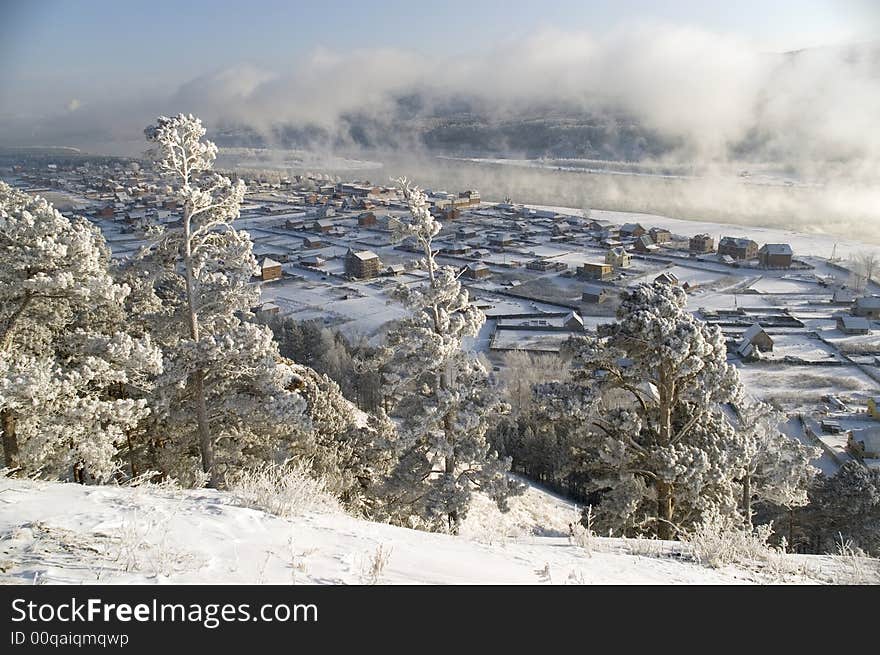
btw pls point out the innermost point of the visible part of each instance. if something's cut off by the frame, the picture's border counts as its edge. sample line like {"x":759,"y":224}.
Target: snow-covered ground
{"x":70,"y":534}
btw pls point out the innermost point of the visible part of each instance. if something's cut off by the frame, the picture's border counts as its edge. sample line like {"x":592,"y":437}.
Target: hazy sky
{"x":135,"y":44}
{"x":107,"y":59}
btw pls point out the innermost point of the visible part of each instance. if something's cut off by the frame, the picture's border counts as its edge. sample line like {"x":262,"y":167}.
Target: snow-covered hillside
{"x":66,"y":533}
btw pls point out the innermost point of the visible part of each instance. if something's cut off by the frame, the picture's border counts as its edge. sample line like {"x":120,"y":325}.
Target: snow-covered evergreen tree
{"x":777,"y":468}
{"x":66,"y":360}
{"x":845,"y":506}
{"x":648,"y":405}
{"x":350,"y":451}
{"x":443,"y":397}
{"x":225,"y":395}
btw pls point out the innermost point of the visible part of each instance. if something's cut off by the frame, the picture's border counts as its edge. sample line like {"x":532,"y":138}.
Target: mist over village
{"x":583,"y":294}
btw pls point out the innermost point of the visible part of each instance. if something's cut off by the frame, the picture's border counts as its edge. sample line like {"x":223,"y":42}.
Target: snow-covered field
{"x":70,"y":534}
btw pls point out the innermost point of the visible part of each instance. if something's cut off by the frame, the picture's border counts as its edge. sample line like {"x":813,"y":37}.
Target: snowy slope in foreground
{"x":67,"y":533}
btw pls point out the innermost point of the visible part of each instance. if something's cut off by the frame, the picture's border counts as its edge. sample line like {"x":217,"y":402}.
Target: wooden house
{"x":618,"y":257}
{"x":270,"y":270}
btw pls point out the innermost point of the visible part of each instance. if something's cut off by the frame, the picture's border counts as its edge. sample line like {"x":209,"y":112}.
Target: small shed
{"x":645,"y":244}
{"x":573,"y":322}
{"x":754,"y":341}
{"x":477,"y":271}
{"x":594,"y":294}
{"x":853,"y":324}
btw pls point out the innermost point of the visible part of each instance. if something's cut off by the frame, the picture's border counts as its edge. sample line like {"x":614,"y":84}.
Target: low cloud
{"x":708,"y":93}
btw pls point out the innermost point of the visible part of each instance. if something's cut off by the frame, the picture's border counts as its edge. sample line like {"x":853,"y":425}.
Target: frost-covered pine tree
{"x":777,"y":469}
{"x":648,"y":404}
{"x":845,"y":506}
{"x":352,"y":452}
{"x":225,"y":387}
{"x":443,"y":398}
{"x":67,"y":363}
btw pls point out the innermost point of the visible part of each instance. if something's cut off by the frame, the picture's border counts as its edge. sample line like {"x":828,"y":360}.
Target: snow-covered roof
{"x":667,"y":277}
{"x":868,"y":302}
{"x":745,"y":349}
{"x":364,"y":255}
{"x":754,"y":330}
{"x":594,"y":290}
{"x":870,"y":437}
{"x":855,"y":322}
{"x":776,"y":249}
{"x":573,"y":317}
{"x":740,"y":242}
{"x":269,"y":263}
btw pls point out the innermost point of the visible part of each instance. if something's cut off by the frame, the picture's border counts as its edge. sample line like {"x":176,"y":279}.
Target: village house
{"x":595,"y":294}
{"x":362,"y":264}
{"x":867,"y":306}
{"x":660,"y":235}
{"x":667,"y":277}
{"x":618,"y":258}
{"x":471,"y":196}
{"x":573,"y":322}
{"x":644,"y":245}
{"x":775,"y":255}
{"x":270,"y":270}
{"x":500,"y":239}
{"x":313,"y":261}
{"x":632,"y":230}
{"x":853,"y":324}
{"x":540,"y":265}
{"x":446,"y":213}
{"x":754,"y":341}
{"x":456,"y":248}
{"x":843,"y":296}
{"x":321,"y":226}
{"x":864,"y":443}
{"x":312,"y":242}
{"x":738,"y":248}
{"x":595,"y":271}
{"x":477,"y":271}
{"x":560,"y":229}
{"x":395,"y":269}
{"x":367,"y":219}
{"x":266,"y":309}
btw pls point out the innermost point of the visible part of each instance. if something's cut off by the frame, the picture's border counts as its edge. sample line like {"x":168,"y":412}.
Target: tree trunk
{"x":665,"y":509}
{"x":10,"y":440}
{"x":206,"y":446}
{"x":450,"y":473}
{"x":747,"y":499}
{"x":198,"y":377}
{"x":665,"y":490}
